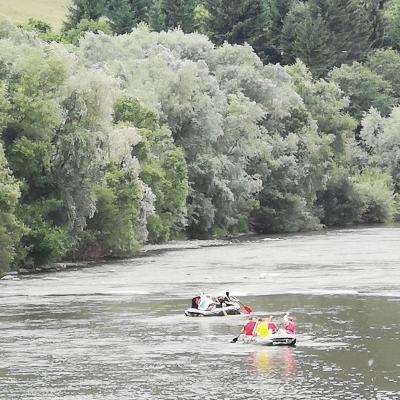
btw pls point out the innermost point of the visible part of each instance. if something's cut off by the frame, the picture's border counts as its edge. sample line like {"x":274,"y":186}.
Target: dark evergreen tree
{"x":121,"y":15}
{"x":141,"y":9}
{"x":378,"y":23}
{"x":278,"y":9}
{"x":126,"y":14}
{"x":355,"y":26}
{"x":85,"y":9}
{"x":156,"y":17}
{"x":327,"y":33}
{"x":178,"y":13}
{"x":238,"y":21}
{"x":297,"y":13}
{"x":312,"y":42}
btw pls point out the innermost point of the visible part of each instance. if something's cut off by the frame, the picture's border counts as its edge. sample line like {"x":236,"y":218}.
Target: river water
{"x":117,"y":330}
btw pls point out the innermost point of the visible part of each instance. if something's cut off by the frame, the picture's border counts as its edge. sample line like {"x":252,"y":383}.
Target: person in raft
{"x":272,"y":326}
{"x":196,"y":301}
{"x":229,"y":299}
{"x":288,"y":324}
{"x":206,"y":302}
{"x":248,"y":327}
{"x":261,"y":328}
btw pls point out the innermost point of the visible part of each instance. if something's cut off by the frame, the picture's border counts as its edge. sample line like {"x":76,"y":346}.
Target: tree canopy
{"x":114,"y":132}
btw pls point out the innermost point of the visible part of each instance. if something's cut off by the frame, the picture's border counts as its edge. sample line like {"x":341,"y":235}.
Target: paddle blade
{"x":247,"y":309}
{"x":235,"y":339}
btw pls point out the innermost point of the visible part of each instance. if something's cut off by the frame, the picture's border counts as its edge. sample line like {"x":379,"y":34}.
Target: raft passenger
{"x":262,"y":328}
{"x":272,"y":326}
{"x":248,"y":328}
{"x":196,"y":301}
{"x":288,"y":326}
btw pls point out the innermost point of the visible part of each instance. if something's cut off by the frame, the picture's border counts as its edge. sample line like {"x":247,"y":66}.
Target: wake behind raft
{"x":205,"y":305}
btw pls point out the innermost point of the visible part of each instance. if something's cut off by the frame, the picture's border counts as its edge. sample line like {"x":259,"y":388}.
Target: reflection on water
{"x":118,"y":332}
{"x":275,"y":360}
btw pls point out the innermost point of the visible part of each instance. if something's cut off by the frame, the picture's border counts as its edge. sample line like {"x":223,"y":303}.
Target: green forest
{"x":152,"y":120}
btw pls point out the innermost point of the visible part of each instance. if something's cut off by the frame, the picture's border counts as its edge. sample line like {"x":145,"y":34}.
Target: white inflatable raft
{"x":233,"y":309}
{"x":277,"y":339}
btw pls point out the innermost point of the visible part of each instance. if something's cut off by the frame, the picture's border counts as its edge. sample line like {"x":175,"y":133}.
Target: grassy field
{"x":51,"y":11}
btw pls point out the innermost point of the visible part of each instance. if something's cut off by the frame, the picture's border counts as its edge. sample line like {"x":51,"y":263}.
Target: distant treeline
{"x":110,"y":140}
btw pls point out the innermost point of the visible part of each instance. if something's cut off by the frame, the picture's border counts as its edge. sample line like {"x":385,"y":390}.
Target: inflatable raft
{"x":277,"y":339}
{"x":233,"y":309}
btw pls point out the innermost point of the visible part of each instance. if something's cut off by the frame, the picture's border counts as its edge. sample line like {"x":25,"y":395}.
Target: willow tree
{"x":162,"y":167}
{"x":380,"y":140}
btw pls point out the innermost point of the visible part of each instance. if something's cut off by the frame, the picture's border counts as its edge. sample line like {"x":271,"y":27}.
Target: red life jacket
{"x":249,"y":328}
{"x":272,"y":327}
{"x":289,"y":327}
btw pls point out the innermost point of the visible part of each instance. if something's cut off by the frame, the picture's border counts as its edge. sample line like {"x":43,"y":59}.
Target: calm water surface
{"x":117,"y":331}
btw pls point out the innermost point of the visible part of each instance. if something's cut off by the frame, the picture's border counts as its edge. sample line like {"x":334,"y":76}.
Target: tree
{"x":364,"y":88}
{"x":385,"y":64}
{"x":156,"y":16}
{"x":84,"y":9}
{"x":122,"y":16}
{"x":10,"y":227}
{"x":327,"y":33}
{"x":278,"y":9}
{"x":392,"y":17}
{"x":42,"y":29}
{"x":200,"y":18}
{"x":178,"y":13}
{"x":73,"y":35}
{"x":239,"y":22}
{"x":297,"y":12}
{"x":162,"y":167}
{"x":380,"y":140}
{"x":327,"y":105}
{"x":376,"y":192}
{"x":118,"y":215}
{"x":340,"y":202}
{"x":312,"y":42}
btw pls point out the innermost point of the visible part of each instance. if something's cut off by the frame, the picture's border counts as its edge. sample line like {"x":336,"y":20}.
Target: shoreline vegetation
{"x":148,"y":125}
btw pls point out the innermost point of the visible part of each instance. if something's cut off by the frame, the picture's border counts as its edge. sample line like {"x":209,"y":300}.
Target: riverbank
{"x":55,"y":267}
{"x":147,"y":250}
{"x":157,"y":249}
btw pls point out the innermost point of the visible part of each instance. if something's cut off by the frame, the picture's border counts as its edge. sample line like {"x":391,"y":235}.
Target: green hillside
{"x":52,"y":11}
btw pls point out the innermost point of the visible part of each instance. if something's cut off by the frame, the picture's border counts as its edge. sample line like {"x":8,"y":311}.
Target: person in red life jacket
{"x":249,"y":327}
{"x":288,"y":325}
{"x":272,"y":326}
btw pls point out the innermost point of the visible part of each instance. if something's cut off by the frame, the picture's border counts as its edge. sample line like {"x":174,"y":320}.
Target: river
{"x":117,"y":330}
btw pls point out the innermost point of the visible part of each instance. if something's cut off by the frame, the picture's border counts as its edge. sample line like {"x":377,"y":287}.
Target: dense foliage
{"x":114,"y":133}
{"x":323,"y":33}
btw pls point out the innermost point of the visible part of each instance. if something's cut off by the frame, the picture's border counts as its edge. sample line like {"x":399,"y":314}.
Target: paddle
{"x":235,"y":339}
{"x":247,"y":309}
